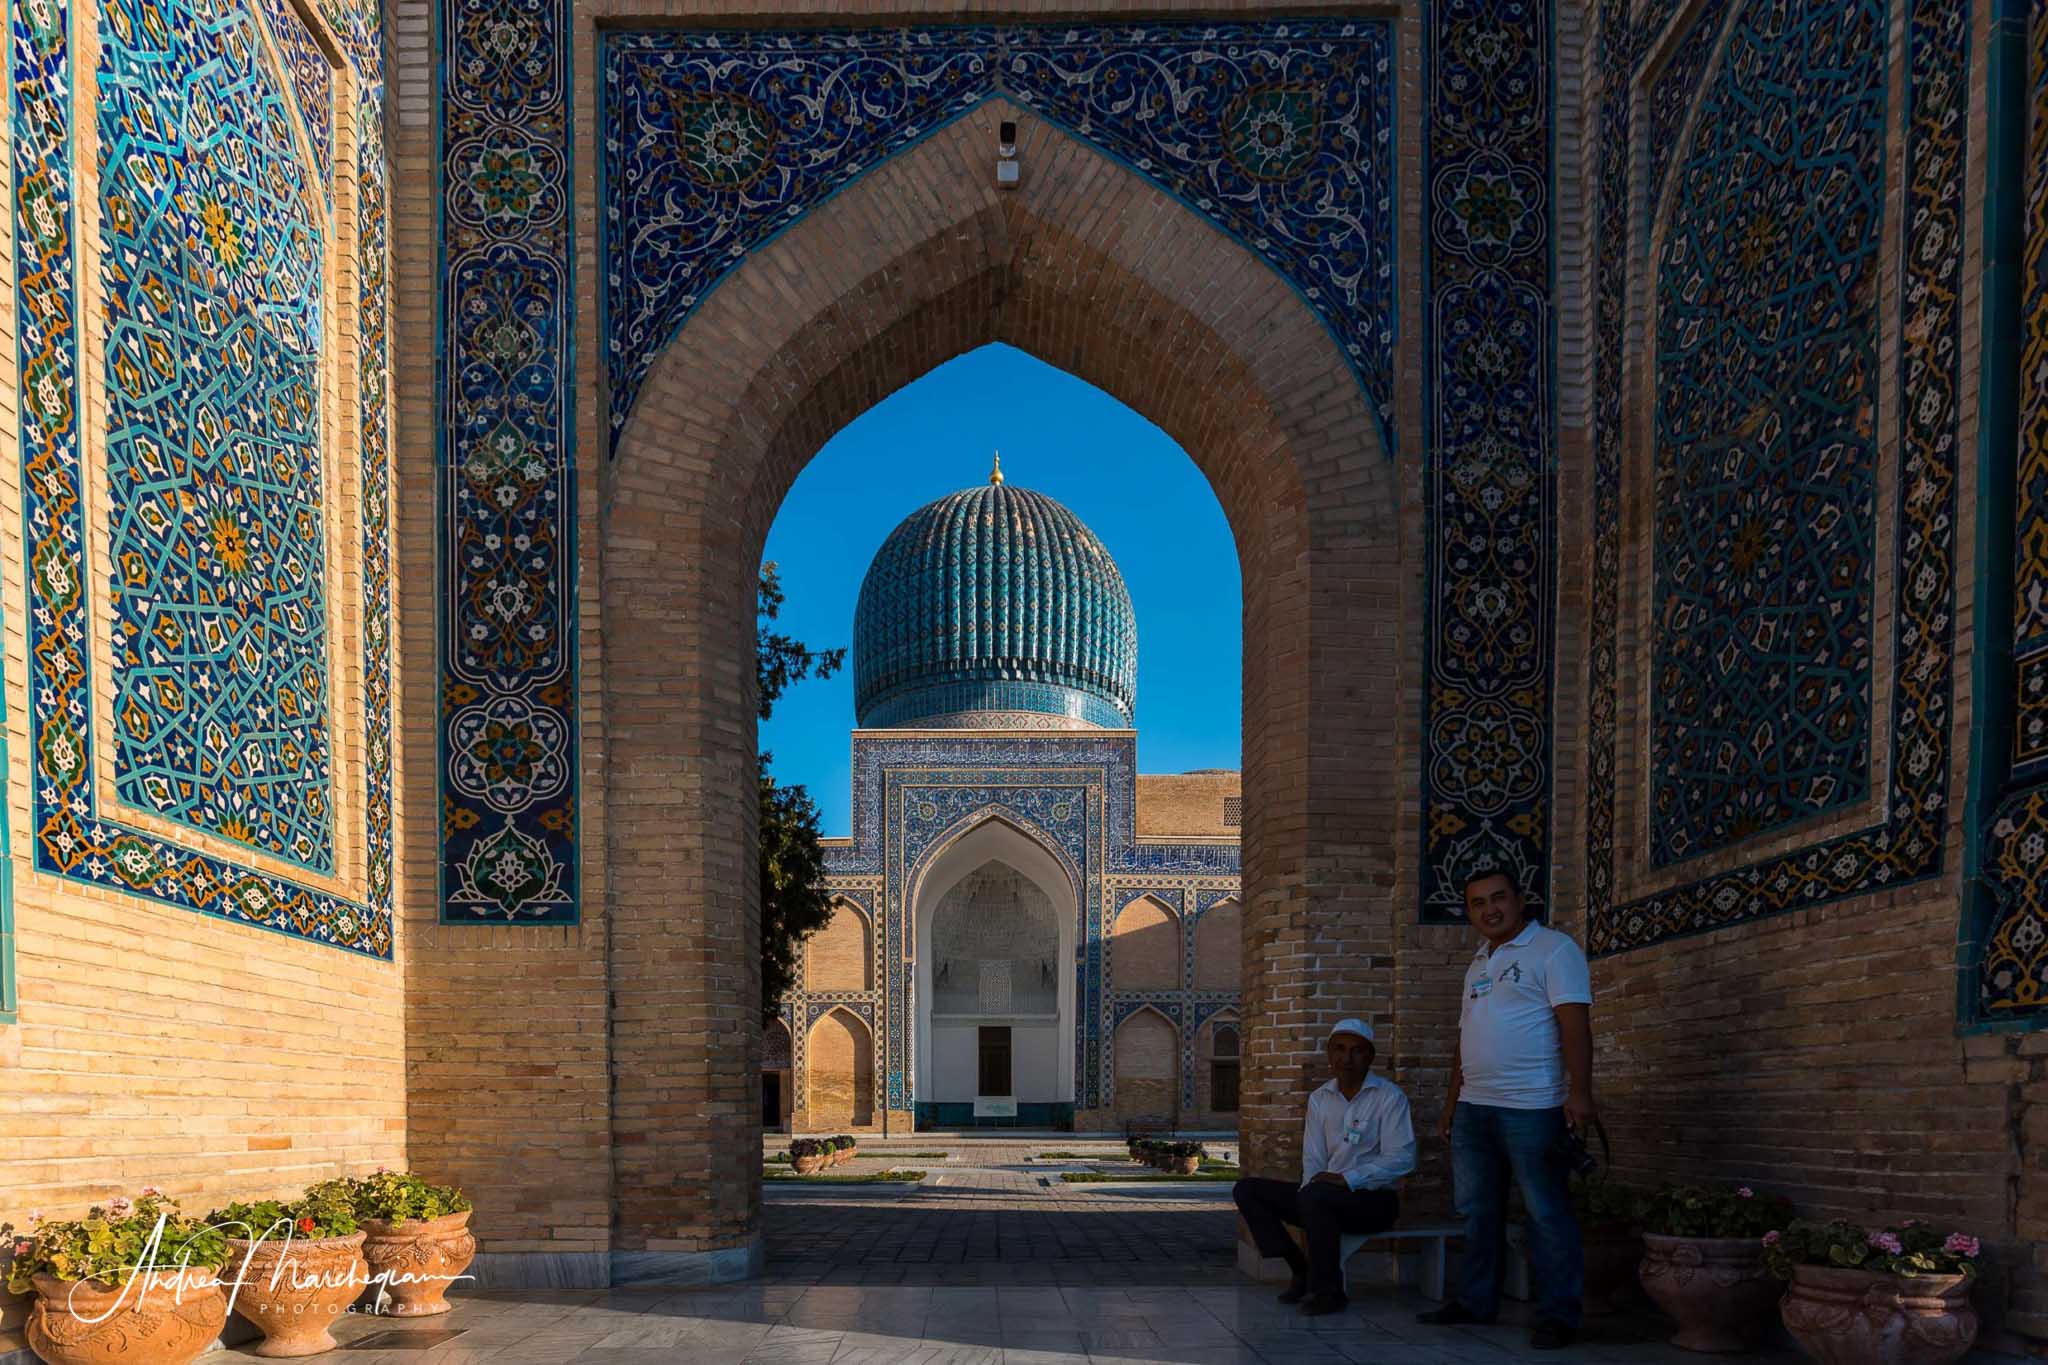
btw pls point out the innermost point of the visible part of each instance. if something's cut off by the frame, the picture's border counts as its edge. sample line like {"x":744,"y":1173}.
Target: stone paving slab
{"x":984,"y":1267}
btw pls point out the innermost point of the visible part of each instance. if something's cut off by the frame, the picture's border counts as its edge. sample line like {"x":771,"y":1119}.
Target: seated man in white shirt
{"x":1356,"y":1142}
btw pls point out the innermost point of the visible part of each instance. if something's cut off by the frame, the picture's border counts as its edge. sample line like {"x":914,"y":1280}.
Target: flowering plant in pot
{"x":806,"y":1155}
{"x":133,"y":1280}
{"x":1187,"y":1157}
{"x":417,"y":1238}
{"x":1703,"y":1263}
{"x":1607,"y":1211}
{"x":293,"y":1265}
{"x":1890,"y":1296}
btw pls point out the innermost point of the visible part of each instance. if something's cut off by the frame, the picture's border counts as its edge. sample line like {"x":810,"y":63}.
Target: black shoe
{"x":1324,"y":1303}
{"x":1297,"y":1290}
{"x":1550,"y":1336}
{"x":1452,"y":1314}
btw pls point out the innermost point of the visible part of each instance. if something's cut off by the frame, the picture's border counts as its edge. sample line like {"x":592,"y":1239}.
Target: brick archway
{"x":1090,"y":268}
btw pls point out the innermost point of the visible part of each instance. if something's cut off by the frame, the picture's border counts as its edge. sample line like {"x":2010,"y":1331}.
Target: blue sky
{"x":1121,"y":475}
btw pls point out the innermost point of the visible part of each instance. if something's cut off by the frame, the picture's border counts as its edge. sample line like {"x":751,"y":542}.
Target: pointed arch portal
{"x":618,"y":466}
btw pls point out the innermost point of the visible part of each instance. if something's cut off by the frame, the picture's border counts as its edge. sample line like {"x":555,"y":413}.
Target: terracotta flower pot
{"x":1612,"y":1255}
{"x":1859,"y":1317}
{"x":85,"y":1322}
{"x":418,"y":1259}
{"x":294,"y":1291}
{"x":807,"y":1165}
{"x":1187,"y":1165}
{"x":1715,"y":1288}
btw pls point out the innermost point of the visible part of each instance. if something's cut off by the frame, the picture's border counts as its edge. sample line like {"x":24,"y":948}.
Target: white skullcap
{"x":1357,"y":1026}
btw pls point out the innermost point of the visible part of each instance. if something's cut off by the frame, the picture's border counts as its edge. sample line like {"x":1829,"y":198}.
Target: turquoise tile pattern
{"x":998,"y":599}
{"x":216,"y":503}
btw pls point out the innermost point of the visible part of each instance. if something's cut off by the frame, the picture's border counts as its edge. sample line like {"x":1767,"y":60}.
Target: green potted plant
{"x":134,"y":1281}
{"x":417,"y":1238}
{"x":1891,"y":1296}
{"x":1703,"y":1263}
{"x":293,"y":1265}
{"x":1187,"y":1157}
{"x":806,"y":1155}
{"x":1607,"y":1212}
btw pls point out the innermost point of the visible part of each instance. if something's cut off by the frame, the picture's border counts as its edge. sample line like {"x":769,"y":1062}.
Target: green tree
{"x":793,"y":900}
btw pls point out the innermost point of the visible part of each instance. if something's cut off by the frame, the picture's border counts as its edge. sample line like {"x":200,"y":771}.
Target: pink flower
{"x":120,"y":1206}
{"x":1771,"y":1238}
{"x":382,"y":1169}
{"x":1887,"y":1242}
{"x":151,"y":1192}
{"x":35,"y":1216}
{"x":1746,"y":1192}
{"x":1962,"y":1245}
{"x":24,"y":1247}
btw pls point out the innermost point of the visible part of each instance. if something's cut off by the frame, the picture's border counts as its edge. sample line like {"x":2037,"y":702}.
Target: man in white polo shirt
{"x":1521,"y":1081}
{"x":1357,"y":1141}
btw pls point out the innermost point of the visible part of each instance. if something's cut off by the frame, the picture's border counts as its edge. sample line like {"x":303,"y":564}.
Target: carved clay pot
{"x":169,"y":1321}
{"x":1715,"y":1288}
{"x":1187,"y":1165}
{"x":807,"y":1165}
{"x":295,"y":1291}
{"x":1612,"y":1255}
{"x":418,"y":1259}
{"x":1859,"y":1317}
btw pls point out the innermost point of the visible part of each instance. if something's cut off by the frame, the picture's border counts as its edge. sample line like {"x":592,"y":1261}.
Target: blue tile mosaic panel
{"x":1765,"y":468}
{"x":506,"y":479}
{"x":312,"y":82}
{"x":1279,"y":133}
{"x":2012,"y":974}
{"x":209,"y":231}
{"x":1906,"y":844}
{"x":216,"y":493}
{"x":1489,"y":462}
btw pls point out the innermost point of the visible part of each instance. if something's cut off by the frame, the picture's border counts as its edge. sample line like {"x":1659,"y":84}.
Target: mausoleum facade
{"x":1026,"y":931}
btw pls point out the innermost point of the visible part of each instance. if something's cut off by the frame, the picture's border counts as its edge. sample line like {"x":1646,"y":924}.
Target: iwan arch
{"x":1444,"y":418}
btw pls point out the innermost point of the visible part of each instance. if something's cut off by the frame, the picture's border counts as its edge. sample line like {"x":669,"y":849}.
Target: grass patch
{"x":1079,"y":1156}
{"x":1211,"y":1163}
{"x":871,"y":1178}
{"x":779,"y":1159}
{"x":1157,"y":1178}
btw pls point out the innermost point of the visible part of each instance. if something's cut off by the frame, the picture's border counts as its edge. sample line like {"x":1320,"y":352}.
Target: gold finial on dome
{"x":995,"y":476}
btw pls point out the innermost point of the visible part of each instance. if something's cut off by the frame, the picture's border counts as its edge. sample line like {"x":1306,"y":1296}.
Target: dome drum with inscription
{"x":994,"y":608}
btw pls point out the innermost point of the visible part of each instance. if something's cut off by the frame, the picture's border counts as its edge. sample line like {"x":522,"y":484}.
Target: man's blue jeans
{"x":1488,"y":1144}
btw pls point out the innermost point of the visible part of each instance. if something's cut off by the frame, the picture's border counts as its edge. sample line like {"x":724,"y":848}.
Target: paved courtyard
{"x":991,"y":1260}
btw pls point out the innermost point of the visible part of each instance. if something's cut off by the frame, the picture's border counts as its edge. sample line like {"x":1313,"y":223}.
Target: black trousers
{"x":1323,"y":1212}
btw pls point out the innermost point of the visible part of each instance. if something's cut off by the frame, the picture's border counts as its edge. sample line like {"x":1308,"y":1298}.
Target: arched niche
{"x":1145,"y":947}
{"x":945,"y":1051}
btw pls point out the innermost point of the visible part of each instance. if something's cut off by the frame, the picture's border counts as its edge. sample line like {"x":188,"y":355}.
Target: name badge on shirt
{"x":1483,"y":986}
{"x":1354,"y":1135}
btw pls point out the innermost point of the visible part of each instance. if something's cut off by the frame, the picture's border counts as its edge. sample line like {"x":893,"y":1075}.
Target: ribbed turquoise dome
{"x":994,"y":602}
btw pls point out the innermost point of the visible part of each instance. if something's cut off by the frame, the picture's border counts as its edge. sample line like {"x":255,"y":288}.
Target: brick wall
{"x":1219,"y":947}
{"x":1144,"y":950}
{"x":836,"y":958}
{"x":1188,"y":804}
{"x":1147,"y":1067}
{"x":839,"y":1071}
